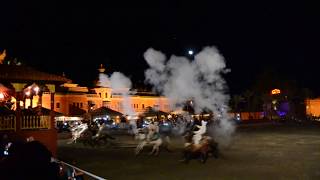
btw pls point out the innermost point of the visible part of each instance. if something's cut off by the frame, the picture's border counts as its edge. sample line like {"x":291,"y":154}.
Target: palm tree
{"x":307,"y":93}
{"x":248,"y":95}
{"x":235,"y":102}
{"x":266,"y":100}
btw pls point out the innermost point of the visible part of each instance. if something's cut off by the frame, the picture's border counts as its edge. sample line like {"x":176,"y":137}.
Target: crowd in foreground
{"x":31,"y":160}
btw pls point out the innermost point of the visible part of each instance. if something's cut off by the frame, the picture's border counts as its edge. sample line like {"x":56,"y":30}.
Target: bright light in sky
{"x":190,"y":52}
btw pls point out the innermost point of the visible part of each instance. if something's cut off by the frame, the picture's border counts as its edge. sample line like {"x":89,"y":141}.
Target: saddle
{"x":195,"y":147}
{"x":155,"y":137}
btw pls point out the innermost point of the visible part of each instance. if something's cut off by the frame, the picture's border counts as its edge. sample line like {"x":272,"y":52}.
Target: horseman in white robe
{"x":198,"y":134}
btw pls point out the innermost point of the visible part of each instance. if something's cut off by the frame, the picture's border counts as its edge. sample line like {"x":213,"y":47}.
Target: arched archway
{"x":32,"y":94}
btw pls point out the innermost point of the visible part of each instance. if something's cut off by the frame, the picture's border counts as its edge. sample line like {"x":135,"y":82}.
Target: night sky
{"x":76,"y":38}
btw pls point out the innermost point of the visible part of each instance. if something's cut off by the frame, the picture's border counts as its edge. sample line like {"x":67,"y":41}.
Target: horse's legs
{"x":153,"y":149}
{"x":139,"y":147}
{"x":71,"y":141}
{"x":168,"y":141}
{"x":186,"y":156}
{"x":158,"y":144}
{"x":214,"y":150}
{"x":156,"y":150}
{"x":204,"y":153}
{"x":204,"y":157}
{"x":142,"y":146}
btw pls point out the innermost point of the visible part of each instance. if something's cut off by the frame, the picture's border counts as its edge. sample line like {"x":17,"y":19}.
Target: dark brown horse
{"x":206,"y":147}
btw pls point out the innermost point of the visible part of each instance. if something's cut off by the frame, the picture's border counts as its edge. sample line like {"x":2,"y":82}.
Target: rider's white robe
{"x":198,"y":134}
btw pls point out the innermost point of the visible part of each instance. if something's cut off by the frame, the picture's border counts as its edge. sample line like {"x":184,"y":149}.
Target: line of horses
{"x":205,"y":148}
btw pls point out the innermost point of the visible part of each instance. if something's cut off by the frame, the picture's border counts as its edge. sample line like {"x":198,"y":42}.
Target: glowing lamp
{"x":36,"y":89}
{"x":275,"y":91}
{"x":190,"y":52}
{"x":1,"y":96}
{"x":28,"y":93}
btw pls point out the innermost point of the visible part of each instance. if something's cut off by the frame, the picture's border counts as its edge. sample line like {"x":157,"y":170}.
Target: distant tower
{"x":101,"y":69}
{"x":97,"y":82}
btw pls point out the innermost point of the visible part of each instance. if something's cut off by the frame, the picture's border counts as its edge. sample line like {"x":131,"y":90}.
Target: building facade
{"x":71,"y":99}
{"x":76,"y":97}
{"x":313,"y":107}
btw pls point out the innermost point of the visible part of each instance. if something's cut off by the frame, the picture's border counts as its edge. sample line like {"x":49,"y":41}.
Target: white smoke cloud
{"x":120,"y":84}
{"x":199,"y":80}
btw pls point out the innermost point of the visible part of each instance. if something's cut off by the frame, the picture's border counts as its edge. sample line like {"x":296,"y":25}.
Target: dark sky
{"x":75,"y":38}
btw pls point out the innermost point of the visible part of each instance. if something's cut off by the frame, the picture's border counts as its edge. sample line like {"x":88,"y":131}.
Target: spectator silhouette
{"x":31,"y":160}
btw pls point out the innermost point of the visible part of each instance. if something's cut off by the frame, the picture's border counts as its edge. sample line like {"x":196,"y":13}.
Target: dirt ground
{"x":256,"y":152}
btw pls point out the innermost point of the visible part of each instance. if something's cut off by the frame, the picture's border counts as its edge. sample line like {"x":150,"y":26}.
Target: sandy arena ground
{"x":256,"y":152}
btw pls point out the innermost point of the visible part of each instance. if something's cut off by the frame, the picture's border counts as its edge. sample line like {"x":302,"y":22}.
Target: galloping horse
{"x":199,"y":146}
{"x":87,"y":136}
{"x":153,"y":139}
{"x":77,"y":131}
{"x":101,"y":137}
{"x":193,"y":150}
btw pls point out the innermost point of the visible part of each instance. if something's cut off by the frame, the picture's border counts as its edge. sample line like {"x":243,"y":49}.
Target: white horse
{"x":148,"y":139}
{"x":77,"y":131}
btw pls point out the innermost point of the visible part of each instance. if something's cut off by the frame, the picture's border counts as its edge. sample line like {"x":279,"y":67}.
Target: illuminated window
{"x":275,"y":91}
